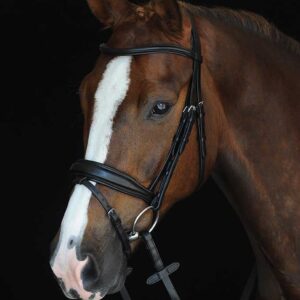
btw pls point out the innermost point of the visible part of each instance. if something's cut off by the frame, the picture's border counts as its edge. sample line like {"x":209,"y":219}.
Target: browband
{"x":157,"y":49}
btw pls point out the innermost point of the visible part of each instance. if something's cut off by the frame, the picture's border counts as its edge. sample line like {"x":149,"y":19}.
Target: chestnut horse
{"x":132,"y":107}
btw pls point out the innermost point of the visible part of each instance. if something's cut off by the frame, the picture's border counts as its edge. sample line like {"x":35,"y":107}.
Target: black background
{"x":47,"y":46}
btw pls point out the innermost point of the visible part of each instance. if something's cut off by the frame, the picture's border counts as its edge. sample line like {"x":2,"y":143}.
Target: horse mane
{"x":249,"y":22}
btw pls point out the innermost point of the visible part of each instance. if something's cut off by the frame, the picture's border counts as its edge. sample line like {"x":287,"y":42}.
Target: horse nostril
{"x":90,"y":274}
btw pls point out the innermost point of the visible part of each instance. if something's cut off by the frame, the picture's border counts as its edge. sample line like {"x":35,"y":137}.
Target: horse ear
{"x":109,"y":12}
{"x":170,"y":12}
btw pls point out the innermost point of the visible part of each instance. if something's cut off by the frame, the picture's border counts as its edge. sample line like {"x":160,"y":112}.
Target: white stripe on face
{"x":111,"y":92}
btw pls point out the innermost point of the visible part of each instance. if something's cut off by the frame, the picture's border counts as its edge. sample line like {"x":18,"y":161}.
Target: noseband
{"x":89,"y":172}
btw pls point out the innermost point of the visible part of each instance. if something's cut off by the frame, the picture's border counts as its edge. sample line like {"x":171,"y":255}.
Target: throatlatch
{"x":90,"y":171}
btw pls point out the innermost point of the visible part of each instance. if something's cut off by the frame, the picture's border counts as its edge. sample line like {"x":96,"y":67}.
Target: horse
{"x":133,"y":106}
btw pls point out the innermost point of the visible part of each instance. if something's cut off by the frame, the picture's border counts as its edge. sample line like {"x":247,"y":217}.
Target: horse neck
{"x":252,"y":86}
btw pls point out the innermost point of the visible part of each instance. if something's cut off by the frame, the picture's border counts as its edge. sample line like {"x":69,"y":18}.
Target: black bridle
{"x":90,"y":171}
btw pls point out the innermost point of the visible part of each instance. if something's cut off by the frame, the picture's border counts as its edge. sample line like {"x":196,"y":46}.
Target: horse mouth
{"x":73,"y":294}
{"x":95,"y":294}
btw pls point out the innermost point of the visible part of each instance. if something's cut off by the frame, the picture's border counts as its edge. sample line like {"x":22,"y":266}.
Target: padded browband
{"x":150,"y":50}
{"x":112,"y":178}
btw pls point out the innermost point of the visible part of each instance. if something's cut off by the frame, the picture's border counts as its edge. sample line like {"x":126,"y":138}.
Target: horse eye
{"x":160,"y":108}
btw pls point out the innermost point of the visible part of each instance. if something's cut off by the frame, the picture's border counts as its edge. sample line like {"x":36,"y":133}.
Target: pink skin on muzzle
{"x":69,"y":269}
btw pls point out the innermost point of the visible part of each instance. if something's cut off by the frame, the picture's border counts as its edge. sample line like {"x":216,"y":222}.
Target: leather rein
{"x":86,"y":171}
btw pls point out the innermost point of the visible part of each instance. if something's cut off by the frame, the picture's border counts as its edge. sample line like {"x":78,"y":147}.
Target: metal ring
{"x":134,"y":235}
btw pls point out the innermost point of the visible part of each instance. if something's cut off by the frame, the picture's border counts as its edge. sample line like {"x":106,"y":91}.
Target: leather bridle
{"x":87,"y":171}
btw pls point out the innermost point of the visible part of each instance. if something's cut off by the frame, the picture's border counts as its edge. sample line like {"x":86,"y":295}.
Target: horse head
{"x":132,"y":107}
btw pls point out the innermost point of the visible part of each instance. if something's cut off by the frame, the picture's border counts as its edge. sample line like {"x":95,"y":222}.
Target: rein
{"x":89,"y":172}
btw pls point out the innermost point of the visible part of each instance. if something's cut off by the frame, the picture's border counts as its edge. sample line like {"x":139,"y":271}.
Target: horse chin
{"x":118,"y":285}
{"x":115,"y":287}
{"x":72,"y":294}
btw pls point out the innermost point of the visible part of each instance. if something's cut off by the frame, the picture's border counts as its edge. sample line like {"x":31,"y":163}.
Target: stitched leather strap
{"x":112,"y":178}
{"x":114,"y":218}
{"x":157,"y":49}
{"x":178,"y":146}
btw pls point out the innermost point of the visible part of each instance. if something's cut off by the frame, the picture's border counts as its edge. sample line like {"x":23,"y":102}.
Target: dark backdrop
{"x":46,"y":48}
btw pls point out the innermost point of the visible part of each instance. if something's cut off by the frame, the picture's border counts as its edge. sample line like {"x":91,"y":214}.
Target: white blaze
{"x":111,"y":91}
{"x":110,"y":94}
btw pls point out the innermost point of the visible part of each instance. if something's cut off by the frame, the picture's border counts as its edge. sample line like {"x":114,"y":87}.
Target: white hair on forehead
{"x":110,"y":94}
